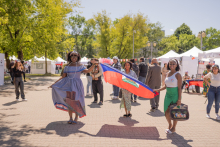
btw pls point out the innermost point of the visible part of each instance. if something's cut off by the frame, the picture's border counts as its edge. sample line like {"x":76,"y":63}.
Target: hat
{"x":115,"y":57}
{"x":215,"y":66}
{"x":18,"y":60}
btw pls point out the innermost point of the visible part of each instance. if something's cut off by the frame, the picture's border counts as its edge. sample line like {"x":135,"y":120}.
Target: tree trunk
{"x":7,"y":59}
{"x":20,"y":55}
{"x":45,"y":62}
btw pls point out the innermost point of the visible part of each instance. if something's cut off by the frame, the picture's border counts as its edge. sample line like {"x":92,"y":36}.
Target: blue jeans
{"x":135,"y":97}
{"x":116,"y":90}
{"x":142,"y":79}
{"x":89,"y":83}
{"x":213,"y":94}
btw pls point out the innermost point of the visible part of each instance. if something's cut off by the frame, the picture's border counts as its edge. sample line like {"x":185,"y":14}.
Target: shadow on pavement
{"x":179,"y":140}
{"x":156,"y":113}
{"x":135,"y":104}
{"x":140,"y":98}
{"x":88,"y":96}
{"x":215,"y":120}
{"x":94,"y":105}
{"x":129,"y":132}
{"x":63,"y":129}
{"x":11,"y":103}
{"x":115,"y":101}
{"x":13,"y":137}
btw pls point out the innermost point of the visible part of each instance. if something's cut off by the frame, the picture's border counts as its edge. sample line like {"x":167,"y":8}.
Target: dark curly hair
{"x":177,"y":67}
{"x":69,"y":57}
{"x":208,"y":66}
{"x":129,"y":63}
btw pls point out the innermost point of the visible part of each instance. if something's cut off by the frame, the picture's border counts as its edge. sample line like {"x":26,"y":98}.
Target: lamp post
{"x":201,"y":35}
{"x":151,"y":44}
{"x":133,"y":42}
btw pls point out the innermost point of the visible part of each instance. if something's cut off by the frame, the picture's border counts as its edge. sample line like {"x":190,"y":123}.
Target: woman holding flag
{"x":126,"y":95}
{"x":68,"y":91}
{"x":173,"y":83}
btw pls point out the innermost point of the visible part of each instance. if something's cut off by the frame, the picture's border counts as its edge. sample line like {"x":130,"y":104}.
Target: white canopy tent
{"x":38,"y":66}
{"x":189,"y":61}
{"x":209,"y":57}
{"x":166,"y":57}
{"x":84,"y":61}
{"x":59,"y":60}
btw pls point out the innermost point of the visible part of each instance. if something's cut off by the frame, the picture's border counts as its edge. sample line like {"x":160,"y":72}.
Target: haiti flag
{"x":122,"y":80}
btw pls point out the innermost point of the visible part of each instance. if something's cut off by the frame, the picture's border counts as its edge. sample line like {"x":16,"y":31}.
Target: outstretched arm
{"x":63,"y":76}
{"x":89,"y":70}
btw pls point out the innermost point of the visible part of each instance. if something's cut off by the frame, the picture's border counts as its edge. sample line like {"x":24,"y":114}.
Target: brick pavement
{"x":37,"y":122}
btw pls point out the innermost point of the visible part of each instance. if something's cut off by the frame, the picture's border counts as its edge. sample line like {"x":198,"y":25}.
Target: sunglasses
{"x":172,"y":64}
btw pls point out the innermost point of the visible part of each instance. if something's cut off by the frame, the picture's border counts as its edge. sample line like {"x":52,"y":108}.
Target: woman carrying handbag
{"x":173,"y":83}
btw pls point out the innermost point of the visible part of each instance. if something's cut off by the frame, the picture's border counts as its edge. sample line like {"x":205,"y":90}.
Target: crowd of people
{"x":68,"y":91}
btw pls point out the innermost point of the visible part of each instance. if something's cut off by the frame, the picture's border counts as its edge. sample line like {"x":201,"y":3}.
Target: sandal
{"x":129,"y":115}
{"x":125,"y":115}
{"x":70,"y":121}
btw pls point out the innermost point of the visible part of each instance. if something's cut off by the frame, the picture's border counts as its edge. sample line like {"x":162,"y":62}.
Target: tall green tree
{"x":122,"y":35}
{"x":16,"y":19}
{"x":183,"y":29}
{"x":212,"y":39}
{"x":168,"y":43}
{"x":187,"y":42}
{"x":103,"y":29}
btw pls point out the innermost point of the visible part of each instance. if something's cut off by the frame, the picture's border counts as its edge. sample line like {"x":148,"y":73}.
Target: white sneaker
{"x":218,"y":117}
{"x":208,"y":116}
{"x":24,"y":99}
{"x":114,"y":97}
{"x":91,"y":94}
{"x":17,"y":100}
{"x":87,"y":94}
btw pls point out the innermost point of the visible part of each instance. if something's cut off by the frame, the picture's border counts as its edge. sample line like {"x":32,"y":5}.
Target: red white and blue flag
{"x":122,"y":80}
{"x":192,"y":57}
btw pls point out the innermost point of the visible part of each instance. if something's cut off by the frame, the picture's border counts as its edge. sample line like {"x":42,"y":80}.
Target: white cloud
{"x":171,"y":30}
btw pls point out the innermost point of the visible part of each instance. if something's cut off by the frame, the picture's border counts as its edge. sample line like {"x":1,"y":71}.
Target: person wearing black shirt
{"x":142,"y":70}
{"x":89,"y":79}
{"x":18,"y":81}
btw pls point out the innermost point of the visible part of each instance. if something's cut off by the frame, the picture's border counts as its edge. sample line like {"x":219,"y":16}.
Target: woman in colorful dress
{"x":173,"y":83}
{"x":164,"y":72}
{"x":68,"y":91}
{"x":126,"y":95}
{"x":205,"y":85}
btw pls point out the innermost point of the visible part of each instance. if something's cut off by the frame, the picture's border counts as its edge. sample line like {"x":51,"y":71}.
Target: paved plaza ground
{"x":37,"y":122}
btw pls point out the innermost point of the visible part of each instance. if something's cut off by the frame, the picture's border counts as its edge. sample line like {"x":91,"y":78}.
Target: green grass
{"x":42,"y":75}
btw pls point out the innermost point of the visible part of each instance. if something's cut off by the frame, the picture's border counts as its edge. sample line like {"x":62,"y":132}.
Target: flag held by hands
{"x":122,"y":80}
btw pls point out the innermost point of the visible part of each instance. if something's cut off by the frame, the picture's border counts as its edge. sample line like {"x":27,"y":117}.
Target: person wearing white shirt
{"x":214,"y":90}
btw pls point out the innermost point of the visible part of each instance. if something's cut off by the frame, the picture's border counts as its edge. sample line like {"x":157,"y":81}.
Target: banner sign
{"x":2,"y":69}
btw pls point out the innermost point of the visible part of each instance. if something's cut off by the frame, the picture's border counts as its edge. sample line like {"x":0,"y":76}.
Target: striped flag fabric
{"x":122,"y":80}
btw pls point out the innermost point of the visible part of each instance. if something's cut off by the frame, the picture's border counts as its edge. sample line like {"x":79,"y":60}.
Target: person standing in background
{"x":116,"y":65}
{"x":214,"y":90}
{"x":97,"y":84}
{"x":153,"y":80}
{"x":18,"y":81}
{"x":89,"y":79}
{"x":135,"y":68}
{"x":205,"y":85}
{"x":164,"y":72}
{"x":143,"y":68}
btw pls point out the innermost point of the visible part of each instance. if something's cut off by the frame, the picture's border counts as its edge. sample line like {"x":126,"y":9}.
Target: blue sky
{"x":197,"y":14}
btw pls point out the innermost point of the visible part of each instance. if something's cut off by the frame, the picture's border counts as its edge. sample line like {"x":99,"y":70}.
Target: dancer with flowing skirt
{"x":68,"y":91}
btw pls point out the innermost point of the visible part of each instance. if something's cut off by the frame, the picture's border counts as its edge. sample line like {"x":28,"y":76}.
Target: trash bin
{"x":197,"y":89}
